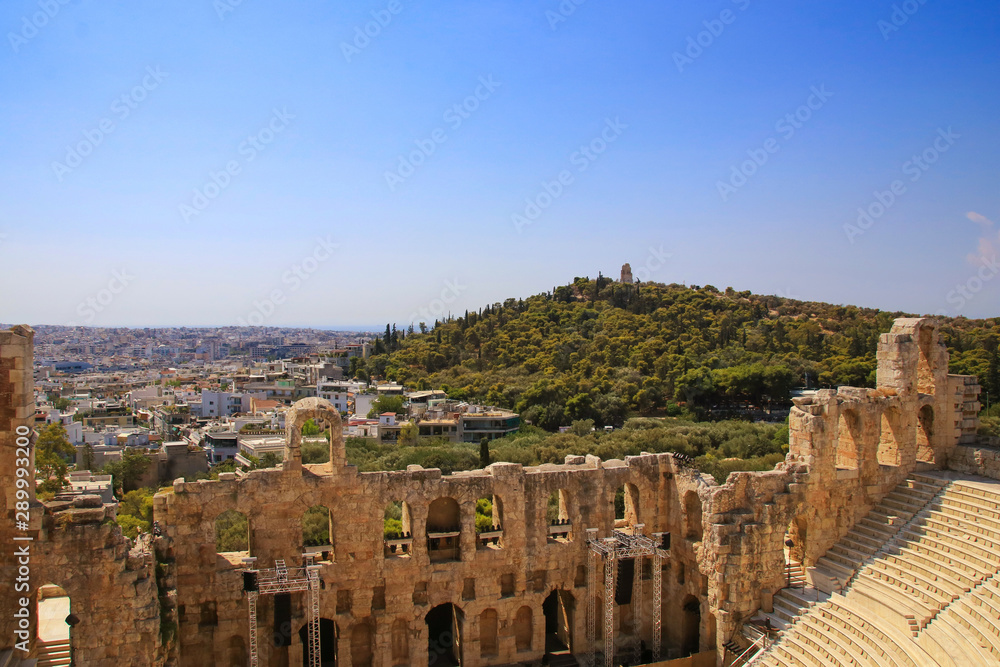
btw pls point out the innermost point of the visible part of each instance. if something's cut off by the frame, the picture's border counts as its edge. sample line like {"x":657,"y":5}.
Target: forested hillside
{"x":602,"y":350}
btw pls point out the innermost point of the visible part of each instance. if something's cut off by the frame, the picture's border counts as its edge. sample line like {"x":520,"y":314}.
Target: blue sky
{"x":197,"y":164}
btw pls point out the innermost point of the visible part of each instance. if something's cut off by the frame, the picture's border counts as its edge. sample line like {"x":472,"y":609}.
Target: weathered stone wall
{"x":76,"y":546}
{"x":977,"y":459}
{"x":388,"y":597}
{"x":847,"y":449}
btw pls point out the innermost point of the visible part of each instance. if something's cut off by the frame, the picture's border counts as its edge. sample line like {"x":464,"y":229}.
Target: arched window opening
{"x":400,"y":642}
{"x":316,"y":436}
{"x":692,"y":516}
{"x":523,"y":629}
{"x":560,"y":529}
{"x":691,"y":624}
{"x":888,"y":442}
{"x":53,"y":611}
{"x":558,"y":611}
{"x":488,"y":624}
{"x":925,"y":435}
{"x":232,"y":533}
{"x":489,"y":523}
{"x":627,"y":506}
{"x":444,"y":636}
{"x":396,"y":531}
{"x":848,"y":441}
{"x":362,"y":650}
{"x":328,"y":635}
{"x":444,"y":531}
{"x":317,"y":533}
{"x":237,"y":651}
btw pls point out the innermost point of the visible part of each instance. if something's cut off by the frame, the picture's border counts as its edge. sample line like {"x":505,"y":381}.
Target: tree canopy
{"x":610,"y":351}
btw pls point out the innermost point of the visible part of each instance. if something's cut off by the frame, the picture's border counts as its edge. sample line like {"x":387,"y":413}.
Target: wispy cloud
{"x":986,"y":246}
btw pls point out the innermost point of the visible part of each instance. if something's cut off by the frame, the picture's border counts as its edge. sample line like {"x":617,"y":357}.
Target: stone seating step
{"x":969,"y":627}
{"x":933,"y":574}
{"x":949,"y":534}
{"x":833,"y":634}
{"x":973,"y":566}
{"x":875,"y":639}
{"x":953,"y":571}
{"x":932,"y":594}
{"x":961,"y":532}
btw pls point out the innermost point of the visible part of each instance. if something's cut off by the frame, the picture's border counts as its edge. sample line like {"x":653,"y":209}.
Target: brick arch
{"x":302,"y":411}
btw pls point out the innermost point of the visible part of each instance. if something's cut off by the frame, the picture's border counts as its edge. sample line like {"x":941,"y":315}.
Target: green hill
{"x":602,"y":350}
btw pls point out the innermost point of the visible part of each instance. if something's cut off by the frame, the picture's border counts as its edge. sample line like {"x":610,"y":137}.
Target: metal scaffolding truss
{"x":612,"y":549}
{"x":280,"y":579}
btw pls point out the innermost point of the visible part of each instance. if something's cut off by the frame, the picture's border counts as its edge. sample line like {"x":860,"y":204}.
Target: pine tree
{"x":484,"y":452}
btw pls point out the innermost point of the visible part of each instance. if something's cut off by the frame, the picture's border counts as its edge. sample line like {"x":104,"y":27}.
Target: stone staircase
{"x":838,"y":567}
{"x":920,"y":584}
{"x":53,"y":654}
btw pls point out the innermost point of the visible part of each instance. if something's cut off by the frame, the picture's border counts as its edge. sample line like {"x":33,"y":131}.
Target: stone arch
{"x":444,"y":529}
{"x":296,"y":417}
{"x":232,"y":532}
{"x":626,"y":506}
{"x":400,"y":642}
{"x":238,"y":656}
{"x":848,"y":439}
{"x":690,"y":625}
{"x":925,"y":435}
{"x":557,"y":518}
{"x":362,"y":648}
{"x":488,"y":625}
{"x":53,"y":607}
{"x":489,"y":522}
{"x":692,"y":516}
{"x":397,"y":531}
{"x":558,"y":610}
{"x":317,"y":533}
{"x":329,"y":634}
{"x":889,"y":450}
{"x":798,"y":534}
{"x":523,"y":629}
{"x":444,"y":635}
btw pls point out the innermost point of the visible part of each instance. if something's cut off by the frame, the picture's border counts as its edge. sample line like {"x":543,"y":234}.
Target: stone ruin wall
{"x":76,"y":546}
{"x":379,"y":602}
{"x":848,"y":448}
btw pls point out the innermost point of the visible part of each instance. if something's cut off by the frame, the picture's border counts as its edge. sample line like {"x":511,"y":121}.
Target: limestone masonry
{"x":494,"y":600}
